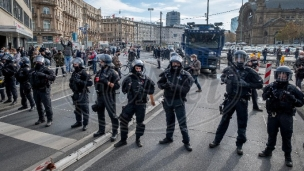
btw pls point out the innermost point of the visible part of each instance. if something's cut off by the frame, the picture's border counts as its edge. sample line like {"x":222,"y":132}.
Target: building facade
{"x":172,"y":18}
{"x":15,"y":23}
{"x":169,"y":35}
{"x":144,"y":33}
{"x":56,"y":19}
{"x":261,"y":20}
{"x":234,"y":24}
{"x":117,"y":30}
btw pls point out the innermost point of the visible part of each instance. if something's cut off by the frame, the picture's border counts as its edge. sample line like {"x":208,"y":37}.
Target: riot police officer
{"x":23,"y":77}
{"x":229,"y":57}
{"x":79,"y":83}
{"x":41,"y":79}
{"x":137,"y":86}
{"x":239,"y":81}
{"x":9,"y":70}
{"x":299,"y":70}
{"x":106,"y":81}
{"x":2,"y":94}
{"x":281,"y":100}
{"x":176,"y":83}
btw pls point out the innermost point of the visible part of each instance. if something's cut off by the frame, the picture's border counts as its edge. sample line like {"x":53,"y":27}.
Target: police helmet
{"x":174,"y":54}
{"x":137,"y":63}
{"x":39,"y":58}
{"x":47,"y":62}
{"x":42,"y":49}
{"x":283,"y":74}
{"x":107,"y":59}
{"x":78,"y":61}
{"x":240,"y":57}
{"x":176,"y":58}
{"x":25,"y":61}
{"x":7,"y":57}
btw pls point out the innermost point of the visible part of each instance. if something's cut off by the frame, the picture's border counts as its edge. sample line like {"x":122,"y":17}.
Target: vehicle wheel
{"x":124,"y":70}
{"x":213,"y":71}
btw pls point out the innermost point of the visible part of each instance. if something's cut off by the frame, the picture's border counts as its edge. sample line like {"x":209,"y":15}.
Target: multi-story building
{"x":144,"y":33}
{"x":170,"y":35}
{"x":118,"y":30}
{"x":234,"y":24}
{"x":55,"y":19}
{"x":15,"y":23}
{"x":173,"y":18}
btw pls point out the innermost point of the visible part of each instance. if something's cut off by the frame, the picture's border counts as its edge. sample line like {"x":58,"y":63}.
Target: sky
{"x":191,"y":9}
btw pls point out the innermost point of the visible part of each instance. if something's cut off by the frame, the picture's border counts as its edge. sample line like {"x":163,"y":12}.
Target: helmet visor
{"x":240,"y":58}
{"x":78,"y":61}
{"x":280,"y":76}
{"x":39,"y":59}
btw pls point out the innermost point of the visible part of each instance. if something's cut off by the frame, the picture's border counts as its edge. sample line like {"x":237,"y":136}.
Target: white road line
{"x":40,"y":138}
{"x":27,"y":109}
{"x":109,"y":149}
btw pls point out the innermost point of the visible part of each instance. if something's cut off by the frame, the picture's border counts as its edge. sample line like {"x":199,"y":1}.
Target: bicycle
{"x":127,"y":68}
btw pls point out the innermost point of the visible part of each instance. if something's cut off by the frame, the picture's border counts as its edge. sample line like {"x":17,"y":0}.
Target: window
{"x":46,"y":24}
{"x":6,"y":5}
{"x":18,"y":12}
{"x":34,"y":38}
{"x":46,"y":10}
{"x":33,"y":25}
{"x":26,"y":20}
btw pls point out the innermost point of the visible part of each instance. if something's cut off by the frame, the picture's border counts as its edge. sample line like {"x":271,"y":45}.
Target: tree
{"x":230,"y":37}
{"x":290,"y":32}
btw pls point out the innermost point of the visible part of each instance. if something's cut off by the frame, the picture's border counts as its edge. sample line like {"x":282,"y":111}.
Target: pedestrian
{"x":117,"y":63}
{"x":106,"y":82}
{"x":279,"y":55}
{"x":59,"y":59}
{"x":67,"y":52}
{"x":239,"y":81}
{"x":254,"y":64}
{"x":132,"y":55}
{"x":9,"y":70}
{"x":93,"y":58}
{"x":297,"y":52}
{"x":299,"y":70}
{"x":23,"y":77}
{"x":158,"y":51}
{"x":41,"y":79}
{"x":264,"y":53}
{"x":137,"y":86}
{"x":281,"y":99}
{"x":79,"y":83}
{"x":2,"y":94}
{"x":195,"y":68}
{"x":138,"y":52}
{"x":176,"y":83}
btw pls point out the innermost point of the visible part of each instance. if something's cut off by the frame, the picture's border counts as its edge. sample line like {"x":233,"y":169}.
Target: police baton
{"x":152,"y":100}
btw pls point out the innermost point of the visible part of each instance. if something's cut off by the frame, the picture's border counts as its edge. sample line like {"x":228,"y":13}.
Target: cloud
{"x":181,"y":1}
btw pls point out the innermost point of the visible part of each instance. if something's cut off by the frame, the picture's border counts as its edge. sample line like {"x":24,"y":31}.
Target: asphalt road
{"x":24,"y":146}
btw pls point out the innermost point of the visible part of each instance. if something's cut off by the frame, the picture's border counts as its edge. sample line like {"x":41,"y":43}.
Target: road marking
{"x":28,"y":109}
{"x":109,"y":149}
{"x":36,"y":137}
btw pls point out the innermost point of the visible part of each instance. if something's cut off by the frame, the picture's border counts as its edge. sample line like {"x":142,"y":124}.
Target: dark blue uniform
{"x":23,"y":77}
{"x":41,"y":83}
{"x":176,"y":85}
{"x":137,"y":87}
{"x":79,"y":82}
{"x":106,"y":97}
{"x":237,"y":96}
{"x":9,"y":70}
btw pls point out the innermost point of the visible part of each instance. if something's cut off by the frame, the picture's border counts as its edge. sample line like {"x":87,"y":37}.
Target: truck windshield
{"x":203,"y":40}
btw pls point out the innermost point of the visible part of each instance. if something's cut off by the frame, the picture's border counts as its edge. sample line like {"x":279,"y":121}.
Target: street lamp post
{"x":86,"y":26}
{"x":150,"y":9}
{"x":207,"y":16}
{"x":160,"y":31}
{"x":241,"y":38}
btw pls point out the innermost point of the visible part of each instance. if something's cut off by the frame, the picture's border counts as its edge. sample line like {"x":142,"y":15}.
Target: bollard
{"x":267,"y":73}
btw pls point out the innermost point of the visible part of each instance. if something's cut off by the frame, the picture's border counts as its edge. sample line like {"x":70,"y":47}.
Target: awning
{"x":15,"y":31}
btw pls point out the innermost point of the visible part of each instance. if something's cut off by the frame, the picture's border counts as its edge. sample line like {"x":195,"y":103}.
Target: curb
{"x":301,"y":113}
{"x":88,"y":148}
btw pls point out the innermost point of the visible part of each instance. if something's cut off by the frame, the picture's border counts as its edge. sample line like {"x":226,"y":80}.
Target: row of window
{"x":18,"y":12}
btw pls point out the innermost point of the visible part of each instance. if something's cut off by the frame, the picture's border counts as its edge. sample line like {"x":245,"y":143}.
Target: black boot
{"x":120,"y":143}
{"x":239,"y":151}
{"x":265,"y":153}
{"x":288,"y":160}
{"x":138,"y":143}
{"x":22,"y":107}
{"x":213,"y":144}
{"x":77,"y":124}
{"x":166,"y":141}
{"x":188,"y":147}
{"x":98,"y":134}
{"x":8,"y":101}
{"x":114,"y":136}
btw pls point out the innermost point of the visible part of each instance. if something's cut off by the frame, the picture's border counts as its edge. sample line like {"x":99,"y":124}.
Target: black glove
{"x":41,"y":75}
{"x":77,"y":80}
{"x":103,"y":80}
{"x":290,"y":97}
